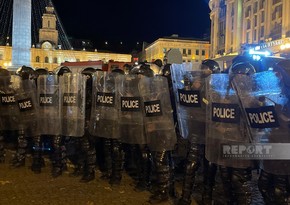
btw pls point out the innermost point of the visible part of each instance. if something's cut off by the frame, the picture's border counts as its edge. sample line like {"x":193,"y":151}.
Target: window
{"x":203,"y":52}
{"x":37,"y":59}
{"x":183,"y":51}
{"x":248,"y":24}
{"x":263,"y":17}
{"x":48,"y":24}
{"x":1,"y":56}
{"x":46,"y":60}
{"x":54,"y":60}
{"x":255,"y":21}
{"x":189,"y":51}
{"x":262,"y":31}
{"x":197,"y":52}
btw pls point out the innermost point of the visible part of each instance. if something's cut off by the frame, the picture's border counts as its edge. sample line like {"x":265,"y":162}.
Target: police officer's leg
{"x":57,"y":156}
{"x":130,"y":159}
{"x":172,"y":190}
{"x":226,"y":177}
{"x":265,"y":184}
{"x":36,"y":155}
{"x":90,"y":159}
{"x":192,"y":165}
{"x":2,"y":150}
{"x":161,"y":192}
{"x":144,"y":168}
{"x":19,"y":158}
{"x":117,"y":162}
{"x":76,"y":155}
{"x":210,"y":170}
{"x":241,"y":189}
{"x":107,"y":169}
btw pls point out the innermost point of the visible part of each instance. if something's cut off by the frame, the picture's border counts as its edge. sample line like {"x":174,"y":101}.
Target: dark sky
{"x":132,"y":21}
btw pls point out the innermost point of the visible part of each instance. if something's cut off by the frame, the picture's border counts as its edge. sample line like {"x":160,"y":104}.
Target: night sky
{"x":132,"y":21}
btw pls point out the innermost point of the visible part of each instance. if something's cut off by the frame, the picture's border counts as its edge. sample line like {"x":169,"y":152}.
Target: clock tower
{"x":48,"y":32}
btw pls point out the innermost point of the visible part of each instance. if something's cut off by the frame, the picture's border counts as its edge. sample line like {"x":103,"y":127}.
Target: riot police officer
{"x":159,"y":129}
{"x":58,"y":156}
{"x":9,"y":113}
{"x":228,"y":129}
{"x":28,"y":107}
{"x":138,"y":159}
{"x":189,"y":87}
{"x":87,"y":141}
{"x":274,"y":177}
{"x":104,"y":124}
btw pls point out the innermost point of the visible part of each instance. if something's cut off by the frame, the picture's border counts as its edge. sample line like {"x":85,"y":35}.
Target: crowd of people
{"x":131,"y":119}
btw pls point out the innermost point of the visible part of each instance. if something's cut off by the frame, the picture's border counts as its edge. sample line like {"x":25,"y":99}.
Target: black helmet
{"x":63,"y":70}
{"x":283,"y":69}
{"x":4,"y":72}
{"x":118,"y":70}
{"x":242,"y":68}
{"x":26,"y":72}
{"x":88,"y":71}
{"x":143,"y":69}
{"x":41,"y":71}
{"x":211,"y":65}
{"x":158,"y":62}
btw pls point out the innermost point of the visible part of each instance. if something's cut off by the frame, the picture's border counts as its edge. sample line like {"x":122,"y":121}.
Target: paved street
{"x":23,"y":187}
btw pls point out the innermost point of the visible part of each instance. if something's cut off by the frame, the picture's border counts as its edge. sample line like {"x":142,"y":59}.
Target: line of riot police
{"x":133,"y":119}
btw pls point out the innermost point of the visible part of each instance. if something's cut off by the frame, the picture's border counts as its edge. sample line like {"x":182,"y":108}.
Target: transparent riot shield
{"x":131,"y":110}
{"x":158,"y":117}
{"x":48,"y":93}
{"x":104,"y":117}
{"x":225,"y":124}
{"x":265,"y":103}
{"x":28,"y":107}
{"x":189,"y":88}
{"x":73,"y":87}
{"x":9,"y":111}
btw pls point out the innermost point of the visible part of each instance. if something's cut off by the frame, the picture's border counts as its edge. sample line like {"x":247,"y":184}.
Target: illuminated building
{"x":48,"y":52}
{"x":192,"y":50}
{"x":241,"y":24}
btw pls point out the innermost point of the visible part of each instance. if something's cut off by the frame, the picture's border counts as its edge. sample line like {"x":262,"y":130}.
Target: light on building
{"x":285,"y":46}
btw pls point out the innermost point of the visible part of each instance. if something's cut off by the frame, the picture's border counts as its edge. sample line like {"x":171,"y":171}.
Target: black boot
{"x":161,"y":193}
{"x":144,"y":166}
{"x":117,"y":163}
{"x":19,"y":158}
{"x":192,"y":165}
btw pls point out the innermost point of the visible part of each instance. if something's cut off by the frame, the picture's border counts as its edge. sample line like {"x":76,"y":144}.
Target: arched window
{"x":37,"y":59}
{"x":46,"y":60}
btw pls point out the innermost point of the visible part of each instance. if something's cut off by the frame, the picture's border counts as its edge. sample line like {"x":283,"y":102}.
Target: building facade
{"x":192,"y":50}
{"x":48,"y":54}
{"x":237,"y":25}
